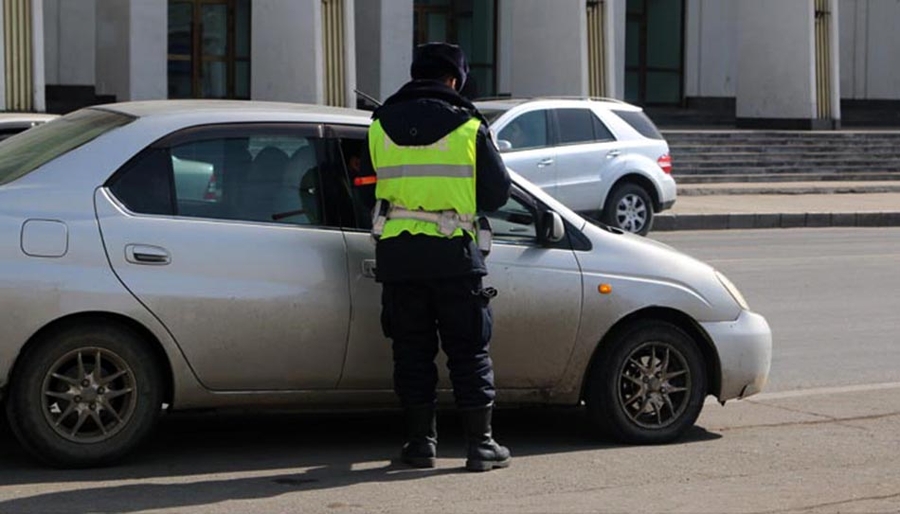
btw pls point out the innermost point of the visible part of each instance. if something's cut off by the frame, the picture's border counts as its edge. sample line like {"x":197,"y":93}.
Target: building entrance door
{"x":654,"y":52}
{"x":209,"y":49}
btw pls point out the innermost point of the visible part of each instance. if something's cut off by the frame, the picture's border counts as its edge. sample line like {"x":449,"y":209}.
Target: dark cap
{"x":437,"y":60}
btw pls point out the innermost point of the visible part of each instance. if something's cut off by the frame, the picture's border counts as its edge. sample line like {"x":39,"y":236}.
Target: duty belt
{"x":447,"y":222}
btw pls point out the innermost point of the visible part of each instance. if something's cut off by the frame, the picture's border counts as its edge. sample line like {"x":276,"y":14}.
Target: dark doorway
{"x":654,"y":52}
{"x":471,"y":24}
{"x":209,"y":49}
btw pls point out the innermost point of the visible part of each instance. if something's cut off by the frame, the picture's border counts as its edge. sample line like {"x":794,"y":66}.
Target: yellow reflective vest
{"x":433,"y":178}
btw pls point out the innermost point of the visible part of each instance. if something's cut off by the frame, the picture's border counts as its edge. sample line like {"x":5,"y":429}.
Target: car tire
{"x":66,"y":415}
{"x":648,"y":386}
{"x":629,"y":208}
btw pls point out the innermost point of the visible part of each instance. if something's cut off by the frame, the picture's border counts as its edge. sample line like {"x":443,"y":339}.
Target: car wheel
{"x":649,"y":386}
{"x":629,"y":208}
{"x":85,"y":395}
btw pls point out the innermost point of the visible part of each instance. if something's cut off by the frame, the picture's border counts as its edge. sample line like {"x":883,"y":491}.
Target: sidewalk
{"x":783,"y":205}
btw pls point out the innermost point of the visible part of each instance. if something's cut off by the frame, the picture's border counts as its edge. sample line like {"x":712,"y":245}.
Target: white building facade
{"x":772,"y":63}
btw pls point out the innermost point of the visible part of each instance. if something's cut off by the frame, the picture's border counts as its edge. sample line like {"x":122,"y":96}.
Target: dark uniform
{"x":433,"y":285}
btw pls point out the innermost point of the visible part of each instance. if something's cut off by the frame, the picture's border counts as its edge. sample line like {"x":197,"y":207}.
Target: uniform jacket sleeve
{"x":492,"y":182}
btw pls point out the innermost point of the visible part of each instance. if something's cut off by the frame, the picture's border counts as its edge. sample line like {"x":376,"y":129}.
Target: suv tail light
{"x":665,"y":162}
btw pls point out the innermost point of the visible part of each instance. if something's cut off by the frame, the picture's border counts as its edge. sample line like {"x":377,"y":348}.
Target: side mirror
{"x":552,"y":227}
{"x":503,"y":145}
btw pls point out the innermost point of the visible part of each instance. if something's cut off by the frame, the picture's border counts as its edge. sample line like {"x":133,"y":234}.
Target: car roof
{"x":503,"y":104}
{"x":240,"y":108}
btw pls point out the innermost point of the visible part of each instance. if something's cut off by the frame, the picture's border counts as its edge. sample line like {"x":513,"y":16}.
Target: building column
{"x":776,"y":76}
{"x":286,"y":51}
{"x":22,"y":55}
{"x":543,"y":47}
{"x":131,"y":49}
{"x":384,"y":31}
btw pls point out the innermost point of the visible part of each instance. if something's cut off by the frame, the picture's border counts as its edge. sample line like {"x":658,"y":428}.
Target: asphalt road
{"x":822,"y":438}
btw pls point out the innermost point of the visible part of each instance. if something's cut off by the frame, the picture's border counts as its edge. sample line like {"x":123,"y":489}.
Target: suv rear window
{"x":25,"y":152}
{"x":640,"y":122}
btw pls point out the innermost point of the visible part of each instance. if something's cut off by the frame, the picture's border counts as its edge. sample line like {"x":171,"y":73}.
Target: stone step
{"x":733,"y":170}
{"x":820,"y":147}
{"x":780,"y":178}
{"x":789,"y":188}
{"x":811,"y":164}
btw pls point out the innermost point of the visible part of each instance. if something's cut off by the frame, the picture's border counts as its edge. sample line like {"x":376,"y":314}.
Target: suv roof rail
{"x":552,"y":97}
{"x":577,"y":97}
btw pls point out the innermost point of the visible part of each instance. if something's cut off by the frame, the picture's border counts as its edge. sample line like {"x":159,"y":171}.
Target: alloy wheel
{"x":654,"y":385}
{"x":88,"y":395}
{"x":631,"y":213}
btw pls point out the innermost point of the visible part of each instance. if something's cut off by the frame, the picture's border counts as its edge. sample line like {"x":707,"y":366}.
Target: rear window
{"x":491,"y":114}
{"x":25,"y":152}
{"x":640,"y":122}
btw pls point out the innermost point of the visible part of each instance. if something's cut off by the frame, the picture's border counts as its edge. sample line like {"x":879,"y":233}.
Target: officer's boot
{"x":420,"y":448}
{"x":484,"y":454}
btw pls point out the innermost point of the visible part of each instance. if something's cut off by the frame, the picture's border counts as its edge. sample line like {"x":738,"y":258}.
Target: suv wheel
{"x":629,"y":208}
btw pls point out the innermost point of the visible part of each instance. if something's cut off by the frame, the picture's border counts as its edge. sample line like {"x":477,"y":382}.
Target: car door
{"x":585,"y":149}
{"x":530,"y":152}
{"x":536,"y":314}
{"x":249,"y":273}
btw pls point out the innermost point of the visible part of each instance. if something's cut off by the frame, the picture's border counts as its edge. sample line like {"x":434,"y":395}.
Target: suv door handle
{"x":613,"y":153}
{"x":544,"y":163}
{"x":146,"y":254}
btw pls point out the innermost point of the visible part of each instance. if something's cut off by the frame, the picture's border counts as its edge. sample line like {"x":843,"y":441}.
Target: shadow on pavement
{"x":305,"y":452}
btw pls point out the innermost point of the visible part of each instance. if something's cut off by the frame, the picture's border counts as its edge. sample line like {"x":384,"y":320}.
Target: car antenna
{"x":368,"y":97}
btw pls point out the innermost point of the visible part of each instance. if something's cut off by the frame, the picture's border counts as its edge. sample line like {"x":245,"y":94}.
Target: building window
{"x":471,"y":24}
{"x":209,"y":49}
{"x":654,"y":52}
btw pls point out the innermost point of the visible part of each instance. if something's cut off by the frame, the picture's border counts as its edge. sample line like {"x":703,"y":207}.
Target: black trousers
{"x":417,"y":316}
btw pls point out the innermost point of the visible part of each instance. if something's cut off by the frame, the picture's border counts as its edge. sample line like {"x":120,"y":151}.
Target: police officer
{"x":436,"y":165}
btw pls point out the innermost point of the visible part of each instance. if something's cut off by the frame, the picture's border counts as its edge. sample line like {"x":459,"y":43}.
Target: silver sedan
{"x":162,"y":256}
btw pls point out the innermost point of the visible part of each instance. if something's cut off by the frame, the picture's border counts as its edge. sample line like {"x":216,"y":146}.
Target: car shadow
{"x":326,"y":450}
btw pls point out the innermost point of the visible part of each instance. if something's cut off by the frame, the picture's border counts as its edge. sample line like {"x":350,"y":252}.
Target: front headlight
{"x":738,"y":297}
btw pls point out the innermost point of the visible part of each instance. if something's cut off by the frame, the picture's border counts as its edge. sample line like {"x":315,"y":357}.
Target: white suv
{"x":600,"y":157}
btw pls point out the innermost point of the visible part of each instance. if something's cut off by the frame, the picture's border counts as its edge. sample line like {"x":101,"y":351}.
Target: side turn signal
{"x":604,"y":288}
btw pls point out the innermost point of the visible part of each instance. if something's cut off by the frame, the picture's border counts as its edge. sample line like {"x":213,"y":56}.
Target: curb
{"x":672,"y":222}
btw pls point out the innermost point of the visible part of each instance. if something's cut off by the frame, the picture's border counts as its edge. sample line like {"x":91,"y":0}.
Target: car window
{"x":581,"y":126}
{"x":528,"y":130}
{"x":265,"y":177}
{"x":144,"y":184}
{"x":640,"y":122}
{"x":25,"y":152}
{"x":601,"y":132}
{"x":575,"y":126}
{"x":514,"y":222}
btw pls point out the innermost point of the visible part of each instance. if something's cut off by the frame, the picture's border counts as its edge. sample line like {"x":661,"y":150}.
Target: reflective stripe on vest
{"x":433,"y":178}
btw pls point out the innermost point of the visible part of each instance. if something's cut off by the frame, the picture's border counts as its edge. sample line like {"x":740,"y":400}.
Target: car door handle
{"x":544,"y":163}
{"x":368,"y":268}
{"x":613,"y":153}
{"x":146,"y":254}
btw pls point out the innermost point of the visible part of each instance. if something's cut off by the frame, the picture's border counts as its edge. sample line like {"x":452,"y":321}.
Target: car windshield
{"x":639,"y":122}
{"x":25,"y":152}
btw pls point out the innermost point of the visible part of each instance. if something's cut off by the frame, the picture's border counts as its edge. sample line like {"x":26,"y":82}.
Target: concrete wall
{"x":776,"y":64}
{"x":544,"y":47}
{"x":131,"y":43}
{"x":615,"y":53}
{"x":69,"y":41}
{"x":286,"y":51}
{"x":384,"y":31}
{"x":710,"y":57}
{"x":869,"y":63}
